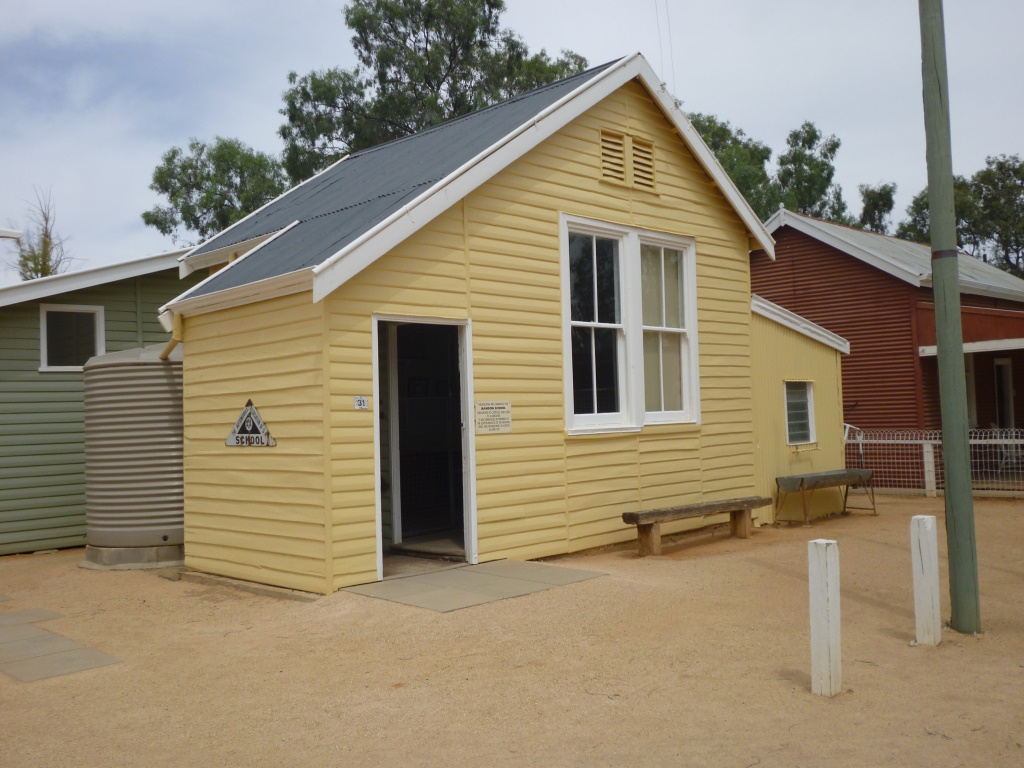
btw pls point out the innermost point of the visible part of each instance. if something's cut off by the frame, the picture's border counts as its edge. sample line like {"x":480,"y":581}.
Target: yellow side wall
{"x":257,"y":513}
{"x":494,"y":258}
{"x":781,"y":354}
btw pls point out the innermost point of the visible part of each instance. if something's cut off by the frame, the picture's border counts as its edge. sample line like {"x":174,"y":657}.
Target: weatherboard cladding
{"x":351,"y":197}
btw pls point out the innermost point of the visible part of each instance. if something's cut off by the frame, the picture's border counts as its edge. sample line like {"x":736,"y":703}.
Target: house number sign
{"x":249,"y":430}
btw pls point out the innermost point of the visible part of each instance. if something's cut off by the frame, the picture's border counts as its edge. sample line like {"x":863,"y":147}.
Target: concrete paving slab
{"x":471,"y":580}
{"x":41,"y":645}
{"x":14,"y":632}
{"x":29,"y":616}
{"x":55,"y":664}
{"x":393,"y":589}
{"x":444,"y":600}
{"x":553,"y":575}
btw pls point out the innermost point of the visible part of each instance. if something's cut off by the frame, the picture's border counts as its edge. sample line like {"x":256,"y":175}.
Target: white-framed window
{"x":69,"y":334}
{"x":800,"y":413}
{"x":629,"y":324}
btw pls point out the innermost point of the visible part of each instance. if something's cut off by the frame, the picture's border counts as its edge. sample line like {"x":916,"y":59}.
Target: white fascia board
{"x":995,"y":345}
{"x":273,"y":287}
{"x":706,"y":158}
{"x":801,"y":325}
{"x":822,"y":232}
{"x":219,"y":256}
{"x":43,"y":287}
{"x":359,"y":254}
{"x":229,"y":249}
{"x":173,"y":303}
{"x":9,"y":234}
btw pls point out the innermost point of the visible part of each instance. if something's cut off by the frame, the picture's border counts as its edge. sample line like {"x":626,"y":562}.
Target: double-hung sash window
{"x":630,"y":325}
{"x":596,"y":324}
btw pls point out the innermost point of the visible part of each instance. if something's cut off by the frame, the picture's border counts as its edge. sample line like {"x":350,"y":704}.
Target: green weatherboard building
{"x":48,"y":328}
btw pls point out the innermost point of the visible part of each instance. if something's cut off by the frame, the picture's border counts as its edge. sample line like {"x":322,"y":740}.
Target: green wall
{"x":42,"y":454}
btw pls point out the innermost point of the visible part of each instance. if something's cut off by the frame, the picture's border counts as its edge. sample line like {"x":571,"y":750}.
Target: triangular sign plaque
{"x":250,"y":430}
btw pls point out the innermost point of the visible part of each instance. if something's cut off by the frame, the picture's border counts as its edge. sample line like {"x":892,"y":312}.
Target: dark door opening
{"x":429,"y":452}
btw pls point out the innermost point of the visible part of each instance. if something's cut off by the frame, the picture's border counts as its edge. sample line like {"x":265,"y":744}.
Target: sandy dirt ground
{"x":698,"y":657}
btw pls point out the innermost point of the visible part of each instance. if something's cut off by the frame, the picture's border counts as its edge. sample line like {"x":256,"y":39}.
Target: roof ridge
{"x":477,"y":112}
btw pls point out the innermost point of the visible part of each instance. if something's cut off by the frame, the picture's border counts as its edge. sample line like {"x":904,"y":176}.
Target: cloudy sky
{"x":93,"y":92}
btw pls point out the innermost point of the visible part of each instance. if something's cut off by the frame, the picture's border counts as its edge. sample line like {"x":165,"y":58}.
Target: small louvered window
{"x":627,"y":160}
{"x":613,"y":157}
{"x":643,"y":164}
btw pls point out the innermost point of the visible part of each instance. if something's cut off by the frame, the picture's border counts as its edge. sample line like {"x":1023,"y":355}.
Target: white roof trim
{"x":823,"y":231}
{"x":993,"y":345}
{"x":173,"y":304}
{"x":273,"y":287}
{"x":801,"y":325}
{"x":9,"y":234}
{"x":43,"y":287}
{"x":373,"y":244}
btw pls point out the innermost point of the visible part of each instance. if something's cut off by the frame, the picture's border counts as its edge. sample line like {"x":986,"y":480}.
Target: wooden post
{"x":925,"y":558}
{"x":823,"y":579}
{"x":928,"y":451}
{"x":649,"y":538}
{"x":956,"y":452}
{"x":741,"y":523}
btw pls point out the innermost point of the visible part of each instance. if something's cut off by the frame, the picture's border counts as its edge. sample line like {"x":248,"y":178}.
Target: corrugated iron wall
{"x":871,"y":309}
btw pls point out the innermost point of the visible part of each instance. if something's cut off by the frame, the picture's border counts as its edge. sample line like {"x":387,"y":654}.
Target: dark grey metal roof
{"x":336,"y":207}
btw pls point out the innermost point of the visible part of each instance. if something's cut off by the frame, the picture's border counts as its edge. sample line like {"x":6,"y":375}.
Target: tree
{"x":805,"y":174}
{"x":210,"y":187}
{"x":876,"y":206}
{"x":743,"y":158}
{"x":999,"y":191}
{"x":421,"y":62}
{"x":41,"y":250}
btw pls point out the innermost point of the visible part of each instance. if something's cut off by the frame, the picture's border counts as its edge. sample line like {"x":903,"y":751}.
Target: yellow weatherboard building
{"x":491,"y":338}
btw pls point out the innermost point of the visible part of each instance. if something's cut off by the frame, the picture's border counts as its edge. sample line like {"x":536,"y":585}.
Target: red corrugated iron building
{"x":875,"y":291}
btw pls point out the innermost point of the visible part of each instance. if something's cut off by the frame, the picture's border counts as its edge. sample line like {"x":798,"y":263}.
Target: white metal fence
{"x":910,"y":461}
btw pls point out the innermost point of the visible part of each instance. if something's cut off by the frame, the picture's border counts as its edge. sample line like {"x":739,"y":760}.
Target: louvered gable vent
{"x":643,"y":164}
{"x":613,"y":157}
{"x":627,"y":160}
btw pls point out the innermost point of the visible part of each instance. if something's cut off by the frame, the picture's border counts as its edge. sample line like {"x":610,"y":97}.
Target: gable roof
{"x":795,"y":322}
{"x":44,"y":287}
{"x":906,"y":260}
{"x":322,"y":232}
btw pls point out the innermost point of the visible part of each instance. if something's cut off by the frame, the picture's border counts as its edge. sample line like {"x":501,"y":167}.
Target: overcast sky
{"x":92,"y":93}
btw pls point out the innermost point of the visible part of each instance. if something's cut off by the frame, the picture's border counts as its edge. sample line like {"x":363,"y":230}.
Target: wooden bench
{"x":648,"y":524}
{"x":807,"y":484}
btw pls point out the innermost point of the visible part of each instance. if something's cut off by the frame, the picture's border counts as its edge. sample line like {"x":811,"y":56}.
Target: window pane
{"x":650,"y":282}
{"x":652,"y":371}
{"x":581,"y":277}
{"x":606,"y":358}
{"x":607,"y":281}
{"x":671,"y":363}
{"x":70,"y":337}
{"x":582,"y":372}
{"x":673,"y":289}
{"x":798,"y":414}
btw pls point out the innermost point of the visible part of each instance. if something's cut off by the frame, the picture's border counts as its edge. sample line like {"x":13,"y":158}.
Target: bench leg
{"x":741,"y":523}
{"x":648,"y":535}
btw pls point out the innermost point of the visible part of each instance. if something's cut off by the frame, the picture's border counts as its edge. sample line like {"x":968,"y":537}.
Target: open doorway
{"x":423,"y":479}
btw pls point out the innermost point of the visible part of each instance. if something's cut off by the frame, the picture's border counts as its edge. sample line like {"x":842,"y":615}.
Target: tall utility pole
{"x":956,"y":456}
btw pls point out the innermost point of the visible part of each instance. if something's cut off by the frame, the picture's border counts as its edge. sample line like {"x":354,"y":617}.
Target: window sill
{"x":602,"y":430}
{"x":61,"y":368}
{"x":803,"y":447}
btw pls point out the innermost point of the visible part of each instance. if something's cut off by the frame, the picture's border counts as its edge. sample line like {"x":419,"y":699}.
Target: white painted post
{"x":925,"y":556}
{"x":823,"y":578}
{"x":928,"y":449}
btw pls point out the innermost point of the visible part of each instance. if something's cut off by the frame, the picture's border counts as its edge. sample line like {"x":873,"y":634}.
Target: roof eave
{"x":798,"y":323}
{"x":43,"y":287}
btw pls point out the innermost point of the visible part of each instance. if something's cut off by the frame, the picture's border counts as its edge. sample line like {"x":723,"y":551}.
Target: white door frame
{"x":469,"y":522}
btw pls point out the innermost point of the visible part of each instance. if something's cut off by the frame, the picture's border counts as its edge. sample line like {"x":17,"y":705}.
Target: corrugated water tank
{"x":133,"y":457}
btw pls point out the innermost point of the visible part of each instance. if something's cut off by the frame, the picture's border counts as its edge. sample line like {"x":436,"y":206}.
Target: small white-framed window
{"x":69,"y":334}
{"x":629,"y":314}
{"x":800,"y":413}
